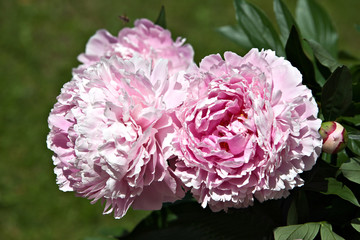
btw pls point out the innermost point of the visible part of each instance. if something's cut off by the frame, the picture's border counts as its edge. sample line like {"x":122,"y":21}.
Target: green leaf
{"x":323,"y":70}
{"x":298,"y":59}
{"x":355,"y":120}
{"x":336,"y":94}
{"x":355,"y":223}
{"x":327,"y":233}
{"x":351,"y":170}
{"x":342,"y":158}
{"x":319,"y":77}
{"x":335,"y":187}
{"x":257,"y":27}
{"x":322,"y":55}
{"x":354,"y":143}
{"x":284,"y":19}
{"x":354,"y":139}
{"x":237,"y":35}
{"x":161,"y":19}
{"x":302,"y":231}
{"x":315,"y":24}
{"x":326,"y":157}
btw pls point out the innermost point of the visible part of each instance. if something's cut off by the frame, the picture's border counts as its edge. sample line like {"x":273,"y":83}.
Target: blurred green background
{"x":39,"y":43}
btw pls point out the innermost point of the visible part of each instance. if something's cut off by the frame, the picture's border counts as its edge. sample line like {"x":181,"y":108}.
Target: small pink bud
{"x":334,"y":137}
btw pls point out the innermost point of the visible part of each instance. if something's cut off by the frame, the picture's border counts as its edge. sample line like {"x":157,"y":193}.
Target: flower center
{"x":224,"y":146}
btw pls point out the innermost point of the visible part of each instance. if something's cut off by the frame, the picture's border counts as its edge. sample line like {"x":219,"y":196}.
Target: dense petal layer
{"x":248,"y":129}
{"x":111,"y":132}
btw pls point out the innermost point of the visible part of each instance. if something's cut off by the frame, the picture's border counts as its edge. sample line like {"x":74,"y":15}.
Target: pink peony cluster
{"x":139,"y":124}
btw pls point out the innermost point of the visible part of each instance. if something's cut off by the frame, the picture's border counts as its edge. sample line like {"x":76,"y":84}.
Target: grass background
{"x":39,"y":43}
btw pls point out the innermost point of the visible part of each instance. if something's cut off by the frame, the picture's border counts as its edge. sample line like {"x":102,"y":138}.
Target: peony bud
{"x":334,"y":137}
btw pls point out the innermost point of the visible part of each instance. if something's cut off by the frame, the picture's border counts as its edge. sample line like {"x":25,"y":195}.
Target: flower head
{"x":248,"y":129}
{"x":111,"y":133}
{"x":111,"y":129}
{"x":150,"y":41}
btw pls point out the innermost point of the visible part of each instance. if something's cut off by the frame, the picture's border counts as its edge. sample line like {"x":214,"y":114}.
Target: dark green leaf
{"x":161,"y":19}
{"x":354,"y":139}
{"x":299,"y":209}
{"x":315,"y":24}
{"x":292,"y":216}
{"x":302,"y":231}
{"x":236,"y":34}
{"x":355,"y":223}
{"x":351,"y":170}
{"x":198,"y":223}
{"x":351,"y":130}
{"x":327,"y":233}
{"x":257,"y":27}
{"x":342,"y":157}
{"x":315,"y":180}
{"x":326,"y":157}
{"x":319,"y":77}
{"x":302,"y":205}
{"x":355,"y":120}
{"x":336,"y":94}
{"x":323,"y":70}
{"x":322,"y":55}
{"x":355,"y":73}
{"x":284,"y":19}
{"x":298,"y":59}
{"x":354,"y":108}
{"x":354,"y":143}
{"x":338,"y":188}
{"x":346,"y":56}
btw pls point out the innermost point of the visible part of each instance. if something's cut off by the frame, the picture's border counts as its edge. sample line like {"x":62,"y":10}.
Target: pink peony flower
{"x":111,"y":127}
{"x":248,"y":129}
{"x":111,"y":134}
{"x":146,"y":39}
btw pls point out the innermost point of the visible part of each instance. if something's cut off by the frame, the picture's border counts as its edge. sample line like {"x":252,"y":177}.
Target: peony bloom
{"x":111,"y":134}
{"x":334,"y":137}
{"x":111,"y":128}
{"x":248,"y":129}
{"x":146,"y":39}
